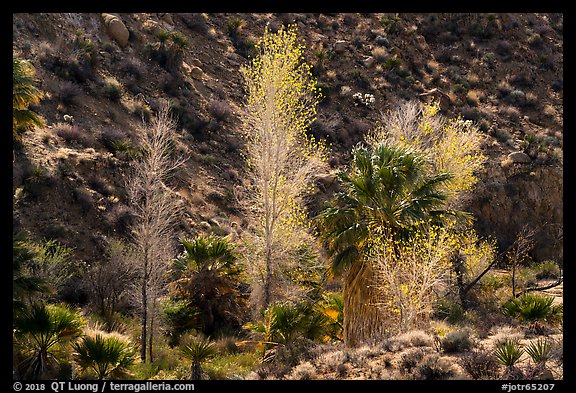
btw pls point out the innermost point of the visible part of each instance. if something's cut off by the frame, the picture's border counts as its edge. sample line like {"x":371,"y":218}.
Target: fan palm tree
{"x":107,"y":355}
{"x":205,"y":277}
{"x":386,"y":188}
{"x":24,"y":94}
{"x":41,"y":328}
{"x":24,"y":285}
{"x":198,"y":351}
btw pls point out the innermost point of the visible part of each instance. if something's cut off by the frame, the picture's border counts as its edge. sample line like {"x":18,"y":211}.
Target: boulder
{"x":545,"y":375}
{"x":196,"y":73}
{"x":116,"y":29}
{"x":369,"y":61}
{"x":167,"y":18}
{"x":345,"y":91}
{"x":340,"y":46}
{"x":519,"y":157}
{"x":326,"y":180}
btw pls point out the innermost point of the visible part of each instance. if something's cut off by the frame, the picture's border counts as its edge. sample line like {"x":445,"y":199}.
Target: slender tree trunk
{"x":151,"y":334}
{"x":363,"y":321}
{"x":462,"y":292}
{"x":144,"y":334}
{"x":266,"y":296}
{"x":514,"y":279}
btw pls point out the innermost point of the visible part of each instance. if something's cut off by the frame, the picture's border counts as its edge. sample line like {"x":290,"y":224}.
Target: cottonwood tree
{"x":450,"y":145}
{"x":282,"y":159}
{"x":408,"y":272}
{"x":156,"y":213}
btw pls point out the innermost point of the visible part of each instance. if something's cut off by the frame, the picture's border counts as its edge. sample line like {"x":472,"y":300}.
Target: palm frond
{"x":105,"y":354}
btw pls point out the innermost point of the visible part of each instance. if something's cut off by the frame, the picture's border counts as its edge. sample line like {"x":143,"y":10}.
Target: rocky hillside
{"x":102,"y":74}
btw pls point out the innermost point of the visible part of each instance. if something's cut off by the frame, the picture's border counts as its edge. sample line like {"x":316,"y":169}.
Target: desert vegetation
{"x":270,"y":212}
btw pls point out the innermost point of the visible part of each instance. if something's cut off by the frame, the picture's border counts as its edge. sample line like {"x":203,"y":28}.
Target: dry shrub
{"x":501,"y":334}
{"x":219,"y":110}
{"x":331,"y":361}
{"x":66,"y":91}
{"x":303,"y":371}
{"x":434,"y":367}
{"x":459,"y":340}
{"x":410,"y":359}
{"x":379,"y":54}
{"x":413,"y":338}
{"x":480,"y":364}
{"x":71,"y":134}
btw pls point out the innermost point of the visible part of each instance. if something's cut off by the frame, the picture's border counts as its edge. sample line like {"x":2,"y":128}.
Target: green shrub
{"x":24,"y":95}
{"x":448,"y":310}
{"x":86,"y":48}
{"x":391,"y":63}
{"x":532,"y":307}
{"x":111,"y":90}
{"x":282,"y":323}
{"x":180,"y":317}
{"x":168,"y":48}
{"x":547,"y":269}
{"x":233,"y":25}
{"x":231,"y":365}
{"x":390,"y":23}
{"x":198,"y":351}
{"x":105,"y":355}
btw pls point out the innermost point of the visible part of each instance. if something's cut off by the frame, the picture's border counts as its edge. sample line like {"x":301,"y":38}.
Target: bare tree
{"x":282,"y":159}
{"x":518,"y":251}
{"x":156,"y":212}
{"x":109,"y":280}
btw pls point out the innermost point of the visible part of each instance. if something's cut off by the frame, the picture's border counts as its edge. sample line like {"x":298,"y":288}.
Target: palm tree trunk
{"x":196,"y":371}
{"x":363,"y":321}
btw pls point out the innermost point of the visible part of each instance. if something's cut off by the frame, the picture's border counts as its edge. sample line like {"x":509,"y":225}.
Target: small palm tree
{"x":281,"y":324}
{"x":106,"y":355}
{"x":24,"y":94}
{"x":205,"y":276}
{"x":24,"y":284}
{"x":40,"y":329}
{"x":198,"y":351}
